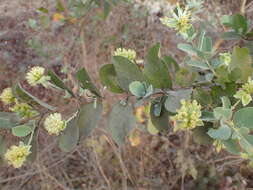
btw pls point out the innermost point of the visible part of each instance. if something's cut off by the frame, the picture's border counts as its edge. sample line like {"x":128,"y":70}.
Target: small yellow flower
{"x":127,"y":53}
{"x":23,"y":110}
{"x":245,"y":93}
{"x":181,"y":21}
{"x":54,"y":124}
{"x":16,"y":155}
{"x":244,"y":97}
{"x":226,"y":58}
{"x":248,"y":87}
{"x":188,"y":116}
{"x":36,"y":76}
{"x":218,"y":145}
{"x":58,"y":17}
{"x":7,"y":96}
{"x":135,"y":137}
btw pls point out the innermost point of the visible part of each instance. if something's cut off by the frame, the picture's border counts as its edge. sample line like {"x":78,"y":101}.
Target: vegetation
{"x":206,"y":96}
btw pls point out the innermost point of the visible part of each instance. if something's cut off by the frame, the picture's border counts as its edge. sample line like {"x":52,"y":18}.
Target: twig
{"x":243,"y":5}
{"x":102,"y":171}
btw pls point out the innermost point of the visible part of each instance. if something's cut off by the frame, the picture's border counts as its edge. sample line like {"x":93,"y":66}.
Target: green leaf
{"x":232,"y":146}
{"x":43,"y":10}
{"x":237,"y":22}
{"x":137,"y":88}
{"x":241,"y":59}
{"x":155,"y":70}
{"x":200,"y":135}
{"x":126,"y":71}
{"x":247,"y":143}
{"x":2,"y":145}
{"x":199,"y":64}
{"x":8,"y":120}
{"x":58,"y":82}
{"x":242,"y":131}
{"x":159,"y":115}
{"x":173,"y":101}
{"x":222,"y":113}
{"x":107,"y":9}
{"x":205,"y":43}
{"x":85,"y":81}
{"x":243,"y":118}
{"x":121,"y":122}
{"x":225,"y":102}
{"x":218,"y":91}
{"x":88,"y":118}
{"x":188,"y":49}
{"x":222,"y":133}
{"x":21,"y":130}
{"x":202,"y":96}
{"x":25,"y":96}
{"x":185,"y":77}
{"x":151,"y":128}
{"x":171,"y":62}
{"x":231,"y":36}
{"x":59,"y":6}
{"x":70,"y":137}
{"x":207,"y":116}
{"x":108,"y":77}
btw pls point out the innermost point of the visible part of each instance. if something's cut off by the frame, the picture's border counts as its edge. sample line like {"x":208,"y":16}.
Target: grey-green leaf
{"x":70,"y":137}
{"x":155,"y":70}
{"x":108,"y":77}
{"x":58,"y":82}
{"x":243,"y":118}
{"x":222,"y":113}
{"x":159,"y":116}
{"x":8,"y":120}
{"x":88,"y":117}
{"x":86,"y":82}
{"x":21,"y":130}
{"x":126,"y":71}
{"x":137,"y":88}
{"x":199,"y":64}
{"x":121,"y":122}
{"x":173,"y":101}
{"x":232,"y":146}
{"x":23,"y":95}
{"x":222,"y":133}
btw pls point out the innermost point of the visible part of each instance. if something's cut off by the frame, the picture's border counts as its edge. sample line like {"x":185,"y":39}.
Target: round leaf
{"x":21,"y":130}
{"x":243,"y":118}
{"x":137,"y":88}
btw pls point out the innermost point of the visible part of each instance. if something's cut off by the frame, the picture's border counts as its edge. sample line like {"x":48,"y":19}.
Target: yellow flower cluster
{"x":225,"y":58}
{"x":36,"y":76}
{"x":245,"y":93}
{"x":181,"y":21}
{"x":23,"y":110}
{"x":54,"y":124}
{"x":16,"y":155}
{"x":218,"y":145}
{"x":188,"y":116}
{"x":7,"y":96}
{"x":127,"y":53}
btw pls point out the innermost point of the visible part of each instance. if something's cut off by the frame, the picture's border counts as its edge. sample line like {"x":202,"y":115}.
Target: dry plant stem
{"x":185,"y":148}
{"x":102,"y":171}
{"x":48,"y":175}
{"x":223,"y":159}
{"x":69,"y":182}
{"x":243,"y":6}
{"x":123,"y":167}
{"x":56,"y":163}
